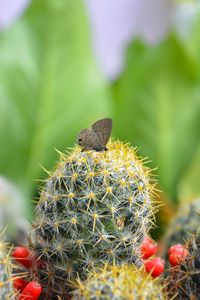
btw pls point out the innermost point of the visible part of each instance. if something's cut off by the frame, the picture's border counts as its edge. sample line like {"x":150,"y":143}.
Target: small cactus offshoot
{"x":119,"y":283}
{"x":96,"y":207}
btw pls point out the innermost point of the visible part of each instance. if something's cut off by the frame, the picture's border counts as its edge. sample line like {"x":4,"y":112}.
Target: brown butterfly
{"x":97,"y":137}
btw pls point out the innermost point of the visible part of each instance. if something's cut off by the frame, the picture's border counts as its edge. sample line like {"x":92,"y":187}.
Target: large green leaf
{"x":49,"y":87}
{"x":189,"y":187}
{"x":157,"y":102}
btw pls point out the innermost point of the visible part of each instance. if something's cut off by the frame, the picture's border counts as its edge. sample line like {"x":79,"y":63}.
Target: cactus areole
{"x":95,"y":208}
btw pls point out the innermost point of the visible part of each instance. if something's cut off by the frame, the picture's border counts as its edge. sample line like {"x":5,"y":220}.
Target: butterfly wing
{"x":102,"y":129}
{"x":88,"y":140}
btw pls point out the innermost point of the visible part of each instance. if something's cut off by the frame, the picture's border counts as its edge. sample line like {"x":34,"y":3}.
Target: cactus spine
{"x":119,"y":283}
{"x":96,"y":207}
{"x":6,"y":284}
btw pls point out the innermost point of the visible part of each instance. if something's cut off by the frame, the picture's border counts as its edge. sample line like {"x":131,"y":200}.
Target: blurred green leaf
{"x":157,"y":108}
{"x":50,"y":87}
{"x":189,"y":188}
{"x":191,"y":37}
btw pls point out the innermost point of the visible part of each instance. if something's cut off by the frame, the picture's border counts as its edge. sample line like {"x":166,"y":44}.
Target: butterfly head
{"x":82,"y":138}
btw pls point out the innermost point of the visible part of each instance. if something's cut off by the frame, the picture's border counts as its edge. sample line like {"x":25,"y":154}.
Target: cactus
{"x":119,"y":283}
{"x":96,"y":207}
{"x":184,"y":224}
{"x":183,"y":281}
{"x":6,"y":284}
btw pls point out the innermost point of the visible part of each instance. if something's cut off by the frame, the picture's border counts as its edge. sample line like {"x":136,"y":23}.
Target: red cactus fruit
{"x":31,"y":292}
{"x":148,"y":248}
{"x":154,"y":266}
{"x":23,"y":256}
{"x":19,"y":283}
{"x":177,"y":254}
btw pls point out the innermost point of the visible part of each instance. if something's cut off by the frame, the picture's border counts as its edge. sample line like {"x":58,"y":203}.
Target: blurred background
{"x":66,"y":63}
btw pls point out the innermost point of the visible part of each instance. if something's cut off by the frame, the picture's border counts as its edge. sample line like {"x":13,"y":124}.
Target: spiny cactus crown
{"x":6,"y":284}
{"x":184,"y":280}
{"x":95,"y":207}
{"x":119,"y":283}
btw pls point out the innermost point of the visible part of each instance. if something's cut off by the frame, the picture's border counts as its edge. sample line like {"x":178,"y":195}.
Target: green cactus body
{"x":184,"y":224}
{"x":96,"y":207}
{"x":6,"y":285}
{"x":119,"y":283}
{"x":183,"y":281}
